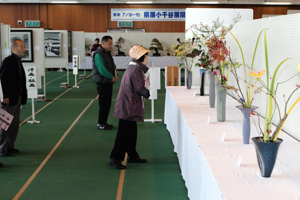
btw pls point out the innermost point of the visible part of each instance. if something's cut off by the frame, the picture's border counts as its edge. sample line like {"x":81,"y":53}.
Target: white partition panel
{"x":78,"y":46}
{"x":5,"y":41}
{"x":283,"y":42}
{"x":207,"y":15}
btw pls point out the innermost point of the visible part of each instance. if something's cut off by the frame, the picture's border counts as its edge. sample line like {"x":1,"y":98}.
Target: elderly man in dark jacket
{"x":129,"y":108}
{"x":13,"y":83}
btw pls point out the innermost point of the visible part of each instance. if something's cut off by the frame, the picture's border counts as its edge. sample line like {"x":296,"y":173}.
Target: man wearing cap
{"x":129,"y":109}
{"x":104,"y":75}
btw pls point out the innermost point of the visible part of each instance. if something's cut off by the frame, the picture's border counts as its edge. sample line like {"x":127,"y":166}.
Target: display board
{"x":59,"y":60}
{"x":5,"y":41}
{"x":78,"y":46}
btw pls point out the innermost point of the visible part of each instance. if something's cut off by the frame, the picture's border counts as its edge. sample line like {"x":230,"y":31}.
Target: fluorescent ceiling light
{"x":205,"y":2}
{"x":64,"y":1}
{"x":277,"y":3}
{"x":138,"y":2}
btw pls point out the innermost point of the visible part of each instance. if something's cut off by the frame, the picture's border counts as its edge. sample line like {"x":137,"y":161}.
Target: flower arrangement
{"x":187,"y":52}
{"x":219,"y":53}
{"x":270,"y":88}
{"x":156,"y":45}
{"x":119,"y":44}
{"x":212,"y":40}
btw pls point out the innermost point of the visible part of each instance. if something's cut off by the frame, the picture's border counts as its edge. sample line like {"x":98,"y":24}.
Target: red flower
{"x":217,"y":49}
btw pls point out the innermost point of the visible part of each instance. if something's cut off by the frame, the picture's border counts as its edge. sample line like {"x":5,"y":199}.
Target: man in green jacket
{"x":104,"y":75}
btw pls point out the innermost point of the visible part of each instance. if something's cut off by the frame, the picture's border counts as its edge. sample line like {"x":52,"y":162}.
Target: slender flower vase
{"x":221,"y":103}
{"x":212,"y":89}
{"x":202,"y":82}
{"x":266,"y":153}
{"x":189,"y":79}
{"x":246,"y":123}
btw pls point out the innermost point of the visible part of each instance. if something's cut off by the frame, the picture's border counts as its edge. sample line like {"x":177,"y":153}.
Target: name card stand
{"x":76,"y":62}
{"x":153,"y":89}
{"x":31,"y":79}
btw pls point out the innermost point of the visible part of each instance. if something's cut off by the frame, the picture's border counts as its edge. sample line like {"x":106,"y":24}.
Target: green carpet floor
{"x":78,"y":169}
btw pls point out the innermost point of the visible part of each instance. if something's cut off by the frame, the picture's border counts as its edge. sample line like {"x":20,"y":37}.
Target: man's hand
{"x":115,"y":79}
{"x":6,"y":101}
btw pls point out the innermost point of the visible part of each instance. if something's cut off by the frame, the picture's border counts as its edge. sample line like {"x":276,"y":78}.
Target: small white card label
{"x":36,"y":48}
{"x":239,"y":161}
{"x":224,"y":135}
{"x":208,"y":119}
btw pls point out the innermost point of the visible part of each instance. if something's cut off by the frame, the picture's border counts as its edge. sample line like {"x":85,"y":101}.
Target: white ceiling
{"x":272,"y":2}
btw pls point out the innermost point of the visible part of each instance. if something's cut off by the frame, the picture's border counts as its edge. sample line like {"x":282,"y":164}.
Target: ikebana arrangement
{"x":214,"y":59}
{"x":119,"y":44}
{"x":156,"y":46}
{"x":187,"y":52}
{"x":267,"y":143}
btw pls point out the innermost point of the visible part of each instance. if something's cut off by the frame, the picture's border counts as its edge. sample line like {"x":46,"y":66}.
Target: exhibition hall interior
{"x":149,"y":99}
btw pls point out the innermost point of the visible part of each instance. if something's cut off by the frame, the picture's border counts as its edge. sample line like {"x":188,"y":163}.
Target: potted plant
{"x":156,"y":46}
{"x":168,"y":51}
{"x":187,"y":52}
{"x":119,"y":44}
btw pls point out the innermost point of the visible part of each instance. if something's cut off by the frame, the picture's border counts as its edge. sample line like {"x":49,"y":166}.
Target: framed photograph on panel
{"x":52,"y":44}
{"x":26,"y":36}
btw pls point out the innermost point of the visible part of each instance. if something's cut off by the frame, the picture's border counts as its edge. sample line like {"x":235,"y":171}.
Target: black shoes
{"x":13,"y":151}
{"x":1,"y":164}
{"x":136,"y":160}
{"x":105,"y":126}
{"x":115,"y":163}
{"x":4,"y":154}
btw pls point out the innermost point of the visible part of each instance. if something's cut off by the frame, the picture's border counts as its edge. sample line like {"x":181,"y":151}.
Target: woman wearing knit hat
{"x":130,"y":109}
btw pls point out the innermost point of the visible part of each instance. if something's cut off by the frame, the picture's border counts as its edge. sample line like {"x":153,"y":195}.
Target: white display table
{"x":209,"y":165}
{"x":123,"y":61}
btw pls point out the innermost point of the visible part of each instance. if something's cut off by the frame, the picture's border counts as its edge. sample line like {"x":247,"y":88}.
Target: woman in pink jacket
{"x":130,"y":109}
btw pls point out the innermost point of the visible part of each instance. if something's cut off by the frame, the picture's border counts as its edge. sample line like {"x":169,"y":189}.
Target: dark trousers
{"x":125,"y":141}
{"x":105,"y":96}
{"x":7,"y":138}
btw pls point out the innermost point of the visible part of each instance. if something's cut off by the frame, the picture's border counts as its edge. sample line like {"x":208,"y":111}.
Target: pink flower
{"x":215,"y":72}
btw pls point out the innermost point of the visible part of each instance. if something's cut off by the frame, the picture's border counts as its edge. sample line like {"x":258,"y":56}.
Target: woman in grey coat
{"x":129,"y":108}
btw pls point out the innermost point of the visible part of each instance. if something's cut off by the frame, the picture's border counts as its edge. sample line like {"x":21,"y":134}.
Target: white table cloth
{"x":209,"y":165}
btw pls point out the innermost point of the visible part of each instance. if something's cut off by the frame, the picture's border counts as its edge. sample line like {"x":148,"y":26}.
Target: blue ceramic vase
{"x":246,"y":123}
{"x":266,"y":153}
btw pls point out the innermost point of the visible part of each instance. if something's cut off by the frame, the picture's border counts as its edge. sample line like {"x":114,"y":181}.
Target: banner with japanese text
{"x":148,"y":14}
{"x":31,"y":75}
